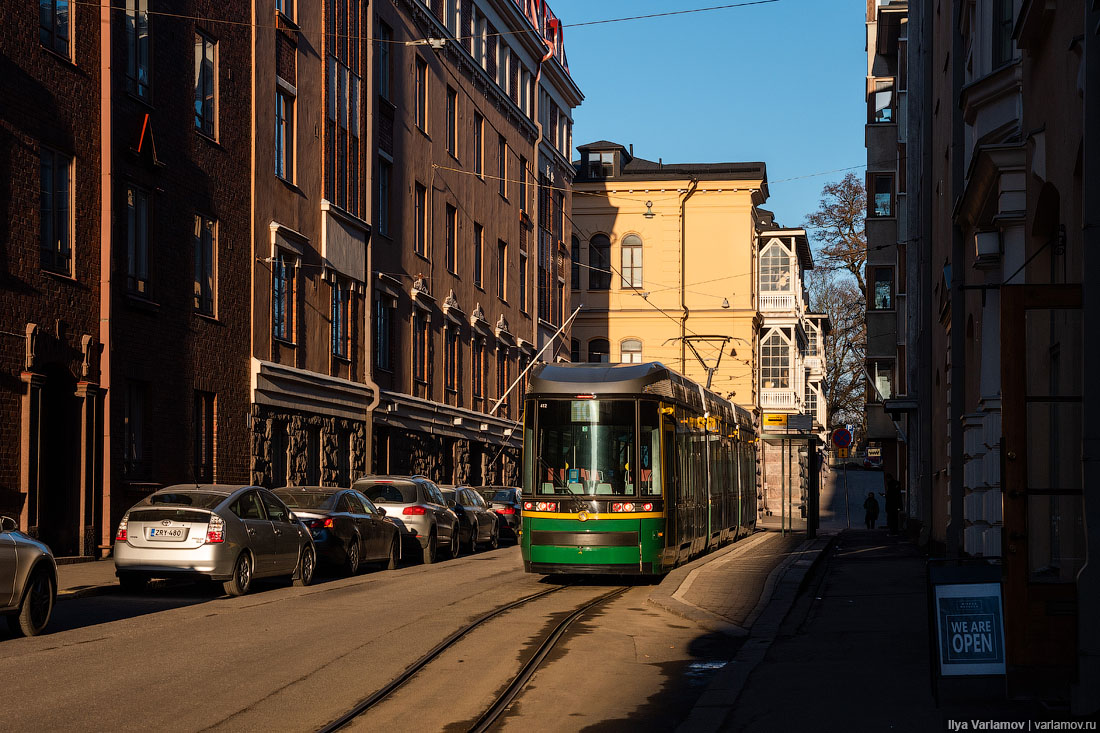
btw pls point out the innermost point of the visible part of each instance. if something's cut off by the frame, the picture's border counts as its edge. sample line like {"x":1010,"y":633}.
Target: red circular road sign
{"x":842,"y":438}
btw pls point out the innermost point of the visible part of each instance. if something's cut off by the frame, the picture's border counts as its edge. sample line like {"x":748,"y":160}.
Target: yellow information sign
{"x":842,"y":452}
{"x":775,"y":419}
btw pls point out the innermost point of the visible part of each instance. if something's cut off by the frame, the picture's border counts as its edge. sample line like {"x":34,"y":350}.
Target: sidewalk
{"x":848,"y":653}
{"x":80,"y":579}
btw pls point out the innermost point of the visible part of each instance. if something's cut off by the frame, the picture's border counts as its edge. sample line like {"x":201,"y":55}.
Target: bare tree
{"x":844,"y":383}
{"x":838,"y":226}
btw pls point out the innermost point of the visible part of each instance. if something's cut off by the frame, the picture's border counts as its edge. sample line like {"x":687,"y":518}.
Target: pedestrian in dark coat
{"x":870,"y":507}
{"x":893,"y":503}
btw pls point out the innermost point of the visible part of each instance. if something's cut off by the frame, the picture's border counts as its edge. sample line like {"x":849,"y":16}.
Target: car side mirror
{"x":382,"y":511}
{"x":293,"y":517}
{"x":7,"y":524}
{"x":451,"y":504}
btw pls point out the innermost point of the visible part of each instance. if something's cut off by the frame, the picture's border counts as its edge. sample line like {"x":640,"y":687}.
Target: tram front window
{"x":586,"y":447}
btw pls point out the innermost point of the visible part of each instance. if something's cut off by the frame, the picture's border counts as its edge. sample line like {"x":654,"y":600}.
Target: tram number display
{"x":584,"y":411}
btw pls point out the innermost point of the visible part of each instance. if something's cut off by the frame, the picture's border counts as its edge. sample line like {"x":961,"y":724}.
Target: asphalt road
{"x":186,"y":658}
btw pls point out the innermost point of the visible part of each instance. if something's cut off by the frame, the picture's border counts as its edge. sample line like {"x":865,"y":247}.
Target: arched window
{"x":775,"y":362}
{"x":599,"y":351}
{"x":574,"y":350}
{"x":632,"y":261}
{"x":599,"y":259}
{"x":631,"y":351}
{"x":775,"y":268}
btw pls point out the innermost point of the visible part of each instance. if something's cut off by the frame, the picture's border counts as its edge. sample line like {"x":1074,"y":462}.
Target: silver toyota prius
{"x":28,"y":580}
{"x":228,"y":533}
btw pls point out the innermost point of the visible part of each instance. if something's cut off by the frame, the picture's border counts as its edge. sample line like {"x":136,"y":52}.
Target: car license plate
{"x":169,"y":534}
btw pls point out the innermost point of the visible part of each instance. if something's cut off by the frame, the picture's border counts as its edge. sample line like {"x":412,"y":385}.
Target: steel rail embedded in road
{"x":384,"y":692}
{"x":532,"y":665}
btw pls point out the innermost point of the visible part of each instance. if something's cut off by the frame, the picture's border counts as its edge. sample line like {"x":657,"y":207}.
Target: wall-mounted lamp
{"x":649,"y":210}
{"x":436,"y":43}
{"x":725,"y":303}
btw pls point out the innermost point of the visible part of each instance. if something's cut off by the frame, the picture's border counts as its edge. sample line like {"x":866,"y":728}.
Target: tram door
{"x":672,"y":475}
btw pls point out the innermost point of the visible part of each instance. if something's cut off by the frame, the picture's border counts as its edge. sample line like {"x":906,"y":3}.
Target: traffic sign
{"x":775,"y":419}
{"x":841,"y":452}
{"x":842,"y":438}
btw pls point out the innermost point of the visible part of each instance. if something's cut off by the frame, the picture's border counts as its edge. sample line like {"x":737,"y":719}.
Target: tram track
{"x":514,"y":687}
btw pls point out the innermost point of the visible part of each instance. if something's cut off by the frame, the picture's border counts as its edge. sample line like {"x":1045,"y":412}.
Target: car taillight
{"x":215,"y":530}
{"x":319,"y":524}
{"x":622,"y":507}
{"x":546,"y":506}
{"x":414,"y":510}
{"x":120,"y":536}
{"x":505,"y":510}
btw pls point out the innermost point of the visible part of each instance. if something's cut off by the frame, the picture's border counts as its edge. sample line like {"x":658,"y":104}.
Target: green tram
{"x":631,"y":469}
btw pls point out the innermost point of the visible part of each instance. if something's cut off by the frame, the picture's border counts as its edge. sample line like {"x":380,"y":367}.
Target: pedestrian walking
{"x":893,"y":503}
{"x":870,"y":508}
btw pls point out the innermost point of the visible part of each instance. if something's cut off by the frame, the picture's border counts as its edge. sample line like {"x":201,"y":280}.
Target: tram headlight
{"x":647,"y":507}
{"x":546,"y":506}
{"x":528,"y":506}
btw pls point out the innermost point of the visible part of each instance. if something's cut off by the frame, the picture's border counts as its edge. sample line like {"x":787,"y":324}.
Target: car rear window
{"x":389,"y":493}
{"x":503,"y":496}
{"x":307,"y":499}
{"x":176,"y":515}
{"x":188,"y":498}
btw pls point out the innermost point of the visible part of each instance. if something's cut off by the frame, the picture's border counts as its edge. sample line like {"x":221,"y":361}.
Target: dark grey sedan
{"x":347,"y":528}
{"x":28,"y":580}
{"x":226,"y":533}
{"x":478,"y":523}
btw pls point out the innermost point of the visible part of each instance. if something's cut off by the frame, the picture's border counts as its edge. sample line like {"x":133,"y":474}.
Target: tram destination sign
{"x":970,"y":629}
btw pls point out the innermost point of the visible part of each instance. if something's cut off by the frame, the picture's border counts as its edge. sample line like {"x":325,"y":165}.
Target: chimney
{"x":631,"y":150}
{"x":660,"y":164}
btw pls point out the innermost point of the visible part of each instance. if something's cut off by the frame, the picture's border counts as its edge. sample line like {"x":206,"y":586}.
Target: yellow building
{"x":663,"y":255}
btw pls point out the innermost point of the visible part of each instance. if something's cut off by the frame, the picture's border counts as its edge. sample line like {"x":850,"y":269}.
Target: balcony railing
{"x":813,"y":363}
{"x":778,"y":399}
{"x":777,"y":303}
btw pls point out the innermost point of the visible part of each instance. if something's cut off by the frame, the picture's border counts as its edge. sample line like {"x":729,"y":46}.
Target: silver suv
{"x":420,"y":506}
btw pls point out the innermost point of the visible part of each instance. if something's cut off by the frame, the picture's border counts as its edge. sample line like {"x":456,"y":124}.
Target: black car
{"x":347,"y":528}
{"x":477,"y":523}
{"x":505,"y":502}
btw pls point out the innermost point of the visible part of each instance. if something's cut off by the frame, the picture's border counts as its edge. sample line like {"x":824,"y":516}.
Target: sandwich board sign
{"x":970,"y":634}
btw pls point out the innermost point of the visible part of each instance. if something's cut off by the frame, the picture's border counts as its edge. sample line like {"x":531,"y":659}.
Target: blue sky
{"x":781,"y":83}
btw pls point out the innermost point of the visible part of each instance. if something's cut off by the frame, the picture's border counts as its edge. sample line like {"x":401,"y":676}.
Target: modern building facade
{"x":999,"y":238}
{"x":470,"y":152}
{"x":678,"y":263}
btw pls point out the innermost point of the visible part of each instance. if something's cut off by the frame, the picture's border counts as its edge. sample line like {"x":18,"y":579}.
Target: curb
{"x":87,"y":591}
{"x":780,"y":592}
{"x":680,"y":579}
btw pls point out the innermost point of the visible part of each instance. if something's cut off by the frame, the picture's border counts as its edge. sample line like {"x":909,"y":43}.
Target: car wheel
{"x":351,"y":563}
{"x":306,"y":565}
{"x":133,"y":582}
{"x":455,"y":541}
{"x":494,"y":540}
{"x":37,"y":605}
{"x":241,"y":581}
{"x":430,"y":550}
{"x":391,"y":564}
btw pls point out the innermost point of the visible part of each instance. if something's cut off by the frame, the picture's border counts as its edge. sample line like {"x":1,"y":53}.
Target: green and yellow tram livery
{"x":631,"y":469}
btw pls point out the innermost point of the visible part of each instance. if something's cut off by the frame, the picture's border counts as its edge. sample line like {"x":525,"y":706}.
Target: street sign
{"x":775,"y":419}
{"x":800,"y":423}
{"x":842,"y":438}
{"x":874,"y":452}
{"x":842,"y":452}
{"x":970,"y":629}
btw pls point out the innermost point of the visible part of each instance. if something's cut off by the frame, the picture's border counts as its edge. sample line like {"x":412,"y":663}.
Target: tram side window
{"x":649,"y":476}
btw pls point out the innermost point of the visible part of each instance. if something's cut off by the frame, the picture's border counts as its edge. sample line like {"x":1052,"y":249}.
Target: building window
{"x":479,"y":38}
{"x":450,"y":16}
{"x":882,"y":101}
{"x":479,"y":368}
{"x":452,"y":122}
{"x":282,"y":297}
{"x":575,"y":264}
{"x":420,"y":211}
{"x":775,"y":362}
{"x":504,"y":380}
{"x":452,"y":356}
{"x":54,"y":28}
{"x":137,"y":48}
{"x":384,"y":36}
{"x":343,"y":91}
{"x":559,"y":298}
{"x":137,"y":241}
{"x":502,"y":165}
{"x":502,"y":63}
{"x":206,"y":110}
{"x":600,"y":165}
{"x":883,"y":289}
{"x":420,"y":355}
{"x":55,"y":209}
{"x":502,"y":269}
{"x":1003,"y":21}
{"x":599,"y":351}
{"x":284,"y":135}
{"x":631,"y":351}
{"x":599,"y":262}
{"x":811,"y":400}
{"x":421,"y":92}
{"x":203,"y":423}
{"x":134,"y":457}
{"x":205,"y":242}
{"x":523,"y":275}
{"x":383,"y":333}
{"x":479,"y":145}
{"x":574,"y":350}
{"x":883,"y":188}
{"x":882,"y":381}
{"x":452,"y":238}
{"x":632,"y":261}
{"x":522,"y":183}
{"x":382,"y":190}
{"x":479,"y":253}
{"x":775,"y":269}
{"x":341,"y":306}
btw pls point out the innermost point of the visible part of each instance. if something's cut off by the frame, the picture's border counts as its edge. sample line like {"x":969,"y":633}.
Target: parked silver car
{"x":28,"y":580}
{"x":477,"y":521}
{"x":228,"y":533}
{"x":421,"y":508}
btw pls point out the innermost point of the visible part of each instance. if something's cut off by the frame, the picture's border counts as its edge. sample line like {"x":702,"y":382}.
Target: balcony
{"x":778,"y":399}
{"x":772,"y":303}
{"x":814,"y":364}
